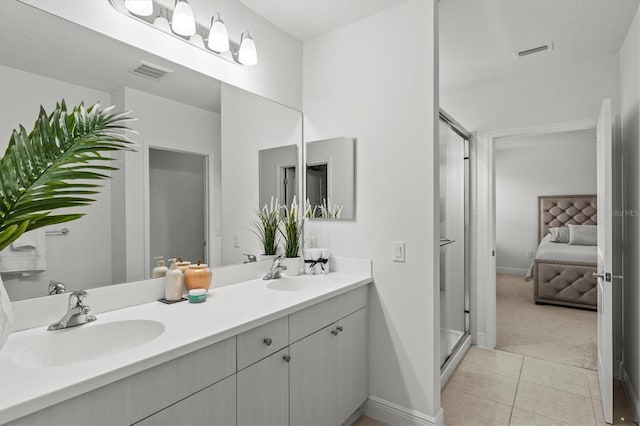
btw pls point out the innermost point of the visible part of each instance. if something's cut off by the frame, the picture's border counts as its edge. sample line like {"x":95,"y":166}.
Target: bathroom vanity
{"x":288,"y":351}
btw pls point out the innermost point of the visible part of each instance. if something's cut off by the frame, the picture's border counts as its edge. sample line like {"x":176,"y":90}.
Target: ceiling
{"x":51,"y":46}
{"x":478,"y":38}
{"x":307,"y":19}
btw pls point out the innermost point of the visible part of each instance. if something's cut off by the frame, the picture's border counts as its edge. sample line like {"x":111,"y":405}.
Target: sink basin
{"x":293,"y":283}
{"x":87,"y":342}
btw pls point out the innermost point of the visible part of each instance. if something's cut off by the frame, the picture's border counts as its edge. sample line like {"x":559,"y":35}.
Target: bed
{"x":563,"y":273}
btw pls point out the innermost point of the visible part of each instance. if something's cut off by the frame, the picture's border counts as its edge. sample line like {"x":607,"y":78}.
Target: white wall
{"x":551,"y":164}
{"x":73,"y":259}
{"x":630,"y":113}
{"x":278,"y":74}
{"x":162,"y":123}
{"x":249,"y":123}
{"x":381,"y":87}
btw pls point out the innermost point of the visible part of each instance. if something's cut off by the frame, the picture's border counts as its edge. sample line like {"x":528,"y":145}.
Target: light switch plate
{"x":397,"y":251}
{"x":236,"y":240}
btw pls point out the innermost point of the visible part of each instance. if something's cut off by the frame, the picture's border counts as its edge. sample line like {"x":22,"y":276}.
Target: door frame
{"x":485,"y":332}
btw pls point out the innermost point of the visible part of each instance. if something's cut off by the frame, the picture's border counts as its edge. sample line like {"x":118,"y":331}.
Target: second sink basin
{"x":88,"y":342}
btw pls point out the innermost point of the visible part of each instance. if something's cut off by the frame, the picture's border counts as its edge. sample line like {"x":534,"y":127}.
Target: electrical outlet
{"x":530,"y":254}
{"x":236,"y":240}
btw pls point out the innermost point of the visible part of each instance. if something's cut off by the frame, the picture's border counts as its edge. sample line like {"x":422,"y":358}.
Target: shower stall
{"x":454,"y":240}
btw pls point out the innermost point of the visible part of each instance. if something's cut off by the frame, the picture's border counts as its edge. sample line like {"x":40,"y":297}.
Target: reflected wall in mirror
{"x":183,"y":113}
{"x":330,"y":177}
{"x":278,"y":174}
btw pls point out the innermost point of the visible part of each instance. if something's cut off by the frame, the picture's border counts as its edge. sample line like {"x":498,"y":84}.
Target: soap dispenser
{"x":160,"y":270}
{"x":173,"y":282}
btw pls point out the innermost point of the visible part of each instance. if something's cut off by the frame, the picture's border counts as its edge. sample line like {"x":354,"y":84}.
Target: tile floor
{"x":493,"y":387}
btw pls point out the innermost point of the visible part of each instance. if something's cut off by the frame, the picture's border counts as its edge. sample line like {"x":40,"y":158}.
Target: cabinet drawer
{"x":260,"y":342}
{"x":315,"y":317}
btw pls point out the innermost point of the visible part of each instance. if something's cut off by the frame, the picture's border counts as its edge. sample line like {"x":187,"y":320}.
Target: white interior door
{"x":605,"y":257}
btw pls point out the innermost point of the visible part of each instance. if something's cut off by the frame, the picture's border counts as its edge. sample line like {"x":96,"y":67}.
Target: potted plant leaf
{"x":50,"y":168}
{"x":291,"y":230}
{"x":266,"y":228}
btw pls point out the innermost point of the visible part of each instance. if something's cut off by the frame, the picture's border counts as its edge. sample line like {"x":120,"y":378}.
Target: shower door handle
{"x":445,"y":241}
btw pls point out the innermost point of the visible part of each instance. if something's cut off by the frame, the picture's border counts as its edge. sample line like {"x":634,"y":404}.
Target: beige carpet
{"x":564,"y":335}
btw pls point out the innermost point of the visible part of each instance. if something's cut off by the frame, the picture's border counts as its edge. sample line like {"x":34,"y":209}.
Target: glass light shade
{"x":197,"y":40}
{"x":247,"y":54}
{"x":162,"y":23}
{"x":183,"y":22}
{"x":218,"y":36}
{"x":139,"y":7}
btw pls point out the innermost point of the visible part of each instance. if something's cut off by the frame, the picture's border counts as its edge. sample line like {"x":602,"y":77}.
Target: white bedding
{"x":561,"y":252}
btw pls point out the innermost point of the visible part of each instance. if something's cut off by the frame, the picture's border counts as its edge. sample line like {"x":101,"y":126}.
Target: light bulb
{"x":247,"y":54}
{"x":183,"y":22}
{"x":218,"y":36}
{"x":139,"y":7}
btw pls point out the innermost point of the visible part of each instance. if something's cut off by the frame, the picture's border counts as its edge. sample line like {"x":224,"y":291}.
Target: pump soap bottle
{"x":160,"y":270}
{"x":173,"y":282}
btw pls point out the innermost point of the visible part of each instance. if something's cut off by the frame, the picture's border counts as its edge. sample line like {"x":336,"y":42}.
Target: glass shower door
{"x":454,"y":323}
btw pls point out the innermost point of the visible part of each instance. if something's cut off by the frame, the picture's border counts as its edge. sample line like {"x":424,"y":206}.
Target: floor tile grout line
{"x":556,"y":388}
{"x":515,"y":394}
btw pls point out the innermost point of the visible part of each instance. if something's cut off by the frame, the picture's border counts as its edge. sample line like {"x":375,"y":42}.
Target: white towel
{"x":27,"y":254}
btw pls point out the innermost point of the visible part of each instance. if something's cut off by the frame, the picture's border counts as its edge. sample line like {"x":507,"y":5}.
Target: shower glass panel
{"x":454,"y":322}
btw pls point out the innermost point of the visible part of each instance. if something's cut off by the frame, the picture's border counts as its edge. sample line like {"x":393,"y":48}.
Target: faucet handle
{"x":77,"y":298}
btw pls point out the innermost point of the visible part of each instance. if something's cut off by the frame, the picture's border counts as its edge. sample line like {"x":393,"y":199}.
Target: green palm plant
{"x":50,"y":167}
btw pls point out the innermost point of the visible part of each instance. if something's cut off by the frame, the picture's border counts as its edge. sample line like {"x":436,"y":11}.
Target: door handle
{"x":606,"y":276}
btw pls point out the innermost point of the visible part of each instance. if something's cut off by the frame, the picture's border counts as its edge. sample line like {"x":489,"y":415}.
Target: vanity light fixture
{"x":218,"y":35}
{"x":139,"y":7}
{"x":183,"y":22}
{"x":247,"y":53}
{"x":180,"y":23}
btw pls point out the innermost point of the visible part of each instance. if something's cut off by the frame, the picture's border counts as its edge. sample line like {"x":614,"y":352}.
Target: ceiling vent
{"x":537,"y":49}
{"x":149,"y":70}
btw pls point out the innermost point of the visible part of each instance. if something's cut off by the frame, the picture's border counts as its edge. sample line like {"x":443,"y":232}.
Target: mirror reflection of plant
{"x":330,"y":212}
{"x":292,"y":225}
{"x":49,"y":168}
{"x":266,"y":226}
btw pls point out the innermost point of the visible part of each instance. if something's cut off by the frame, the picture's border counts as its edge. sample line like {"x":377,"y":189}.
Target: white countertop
{"x":228,"y":311}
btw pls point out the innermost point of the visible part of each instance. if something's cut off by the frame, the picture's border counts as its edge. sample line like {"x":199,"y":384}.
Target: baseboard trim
{"x":511,"y":271}
{"x":394,"y":414}
{"x":631,"y":393}
{"x":480,"y":339}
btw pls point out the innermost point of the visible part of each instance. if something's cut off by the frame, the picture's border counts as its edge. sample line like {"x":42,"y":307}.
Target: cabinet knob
{"x":267,"y":341}
{"x":286,"y":358}
{"x":335,"y":332}
{"x":340,"y":328}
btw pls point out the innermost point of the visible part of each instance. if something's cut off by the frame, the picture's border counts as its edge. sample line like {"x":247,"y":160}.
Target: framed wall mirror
{"x":198,"y":137}
{"x":330,"y":178}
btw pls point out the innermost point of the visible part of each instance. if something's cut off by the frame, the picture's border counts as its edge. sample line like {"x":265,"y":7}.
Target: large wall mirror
{"x":330,"y":178}
{"x":191,"y":187}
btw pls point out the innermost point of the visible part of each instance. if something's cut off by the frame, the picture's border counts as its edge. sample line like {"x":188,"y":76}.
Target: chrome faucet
{"x":56,"y":287}
{"x":276,"y":269}
{"x":76,"y":312}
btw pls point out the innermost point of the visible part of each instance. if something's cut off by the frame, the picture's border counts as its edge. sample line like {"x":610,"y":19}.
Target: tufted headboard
{"x":561,"y":210}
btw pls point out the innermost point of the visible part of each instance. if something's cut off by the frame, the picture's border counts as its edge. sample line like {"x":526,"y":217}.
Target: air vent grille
{"x":149,"y":70}
{"x":537,"y":49}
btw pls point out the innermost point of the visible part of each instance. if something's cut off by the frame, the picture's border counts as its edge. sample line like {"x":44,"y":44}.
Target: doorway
{"x":178,"y":201}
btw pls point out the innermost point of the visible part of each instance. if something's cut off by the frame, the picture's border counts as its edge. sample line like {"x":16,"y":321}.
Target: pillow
{"x":583,"y":235}
{"x":559,"y":235}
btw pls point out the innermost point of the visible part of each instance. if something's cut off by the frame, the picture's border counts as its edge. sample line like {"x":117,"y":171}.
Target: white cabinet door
{"x":352,"y":364}
{"x":212,"y":406}
{"x":313,"y":379}
{"x":263,"y":392}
